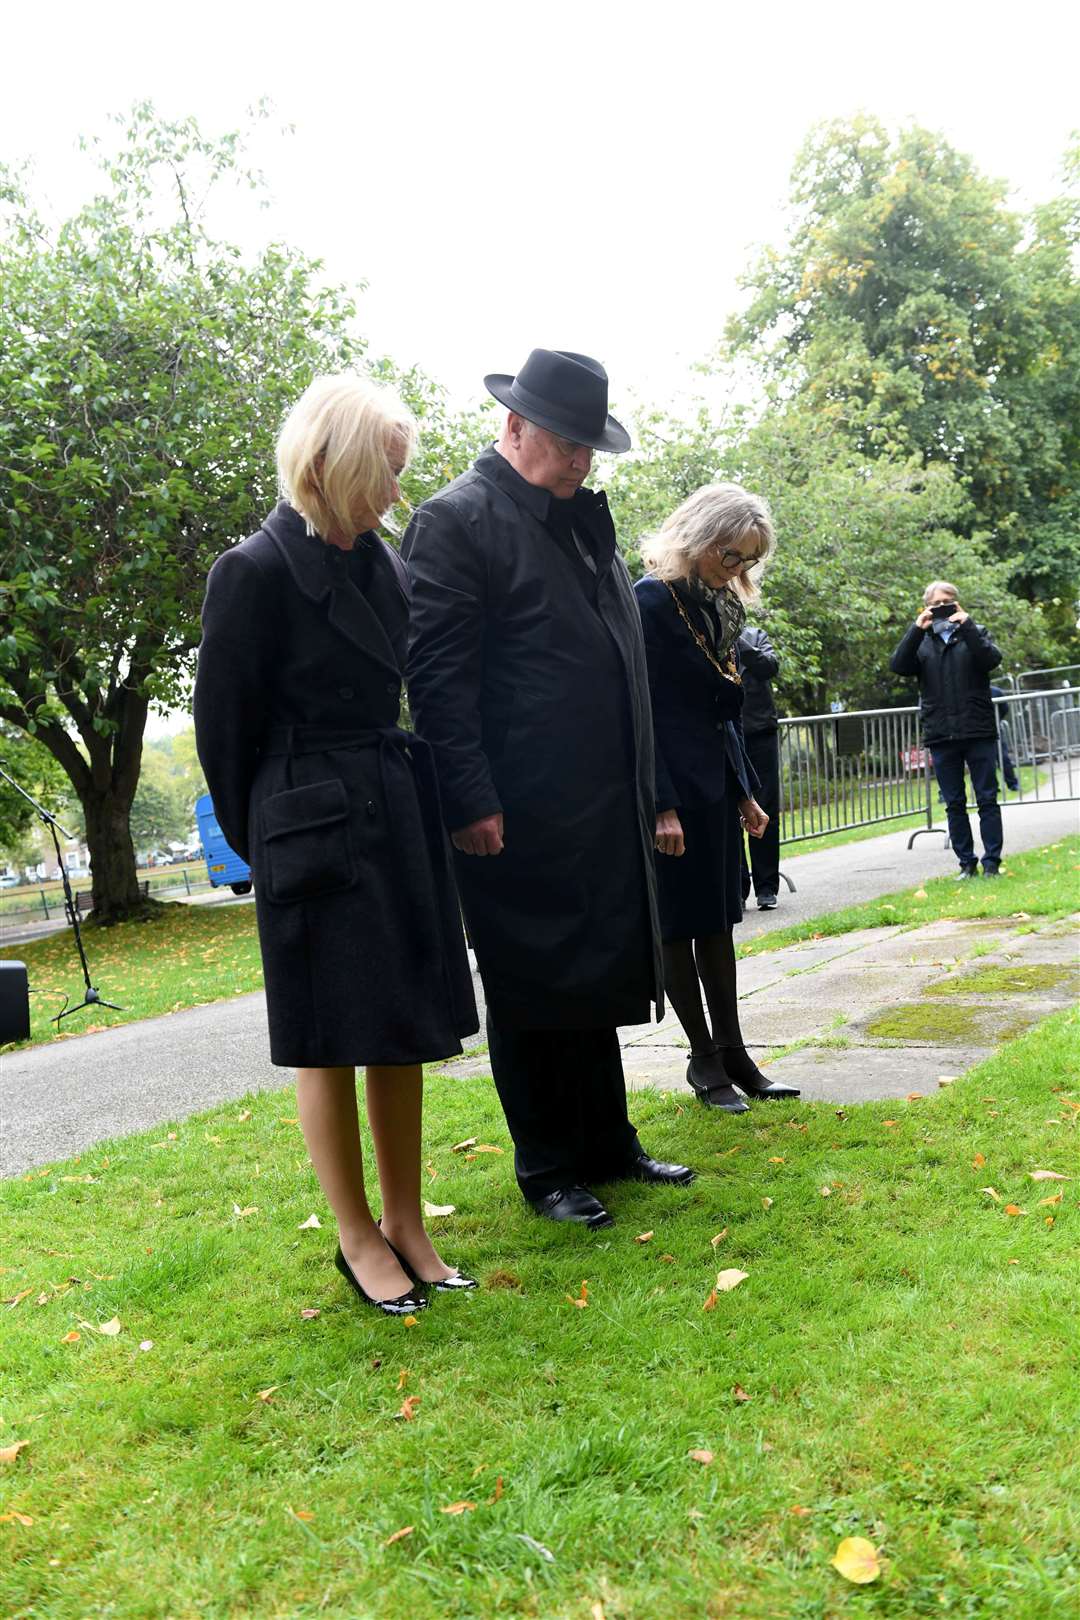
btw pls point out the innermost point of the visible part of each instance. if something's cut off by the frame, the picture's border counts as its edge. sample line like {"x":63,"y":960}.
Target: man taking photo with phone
{"x":951,"y":657}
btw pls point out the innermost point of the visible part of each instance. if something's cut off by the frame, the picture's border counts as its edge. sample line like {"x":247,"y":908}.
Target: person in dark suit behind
{"x":951,"y":657}
{"x":692,"y":612}
{"x":527,"y":678}
{"x":337,"y":811}
{"x":760,"y":665}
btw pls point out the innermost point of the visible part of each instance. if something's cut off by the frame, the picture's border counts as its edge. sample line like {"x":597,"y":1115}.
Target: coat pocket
{"x":305,"y":839}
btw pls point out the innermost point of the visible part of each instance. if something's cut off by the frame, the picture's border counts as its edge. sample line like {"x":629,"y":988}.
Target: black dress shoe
{"x":447,"y":1285}
{"x":405,"y":1304}
{"x":771,"y":1088}
{"x":573,"y":1204}
{"x":743,"y":1072}
{"x":966,"y":872}
{"x":642,"y":1168}
{"x":706,"y":1078}
{"x":766,"y":902}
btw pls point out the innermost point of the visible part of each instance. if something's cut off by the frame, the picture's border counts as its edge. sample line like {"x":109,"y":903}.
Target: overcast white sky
{"x":591,"y":176}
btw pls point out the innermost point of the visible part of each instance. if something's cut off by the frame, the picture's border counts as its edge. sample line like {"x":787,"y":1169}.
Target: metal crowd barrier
{"x":839,"y":772}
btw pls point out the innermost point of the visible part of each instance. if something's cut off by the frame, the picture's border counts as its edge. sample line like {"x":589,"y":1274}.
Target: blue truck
{"x":223,"y":865}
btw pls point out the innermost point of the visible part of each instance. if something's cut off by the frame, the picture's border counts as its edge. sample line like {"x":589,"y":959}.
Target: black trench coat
{"x":296,"y":707}
{"x":535,"y":702}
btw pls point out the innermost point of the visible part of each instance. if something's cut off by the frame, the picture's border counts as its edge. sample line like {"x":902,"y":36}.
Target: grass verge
{"x":900,"y":1364}
{"x":1036,"y":883}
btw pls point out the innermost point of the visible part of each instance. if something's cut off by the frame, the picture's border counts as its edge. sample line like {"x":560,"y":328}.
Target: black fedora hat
{"x":565,"y":393}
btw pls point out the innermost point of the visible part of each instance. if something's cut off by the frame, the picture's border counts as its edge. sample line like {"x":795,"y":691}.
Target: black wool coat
{"x":527,"y":677}
{"x":954,"y":680}
{"x":336,"y":810}
{"x":697,"y":712}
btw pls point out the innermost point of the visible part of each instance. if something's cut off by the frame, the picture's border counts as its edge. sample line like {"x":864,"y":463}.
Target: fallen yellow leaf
{"x":459,"y":1147}
{"x":766,"y":1203}
{"x":1048,"y":1175}
{"x":459,"y":1507}
{"x":857,"y":1560}
{"x":740,"y":1393}
{"x":399,"y":1535}
{"x":776,"y":1160}
{"x":978,"y":1161}
{"x":266,"y":1395}
{"x":704,"y":1457}
{"x":582,"y":1299}
{"x":432,"y":1211}
{"x":719,"y":1238}
{"x":486,"y":1147}
{"x":21,"y":1518}
{"x":1055,"y":1198}
{"x":252,"y":1209}
{"x":710,"y":1300}
{"x":409,"y":1321}
{"x":309,"y":1313}
{"x":9,"y":1453}
{"x":304,"y":1514}
{"x":990,"y":1193}
{"x":1014,"y":1209}
{"x":407,"y":1409}
{"x":71,"y":1338}
{"x":726,"y":1280}
{"x":497,"y":1492}
{"x":110,"y":1328}
{"x":799,"y":1511}
{"x":312,"y":1224}
{"x":644,"y":1237}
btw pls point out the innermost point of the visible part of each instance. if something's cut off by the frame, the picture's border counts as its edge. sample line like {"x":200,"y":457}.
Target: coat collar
{"x":590,"y":505}
{"x":320,"y":573}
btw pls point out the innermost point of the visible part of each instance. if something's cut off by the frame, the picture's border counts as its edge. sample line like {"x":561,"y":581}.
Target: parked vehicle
{"x":224,"y":867}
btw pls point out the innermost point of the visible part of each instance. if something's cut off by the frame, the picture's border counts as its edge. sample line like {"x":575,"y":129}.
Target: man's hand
{"x":480,"y":837}
{"x":669,"y":833}
{"x":959,"y":617}
{"x":925,"y":619}
{"x":753,"y":817}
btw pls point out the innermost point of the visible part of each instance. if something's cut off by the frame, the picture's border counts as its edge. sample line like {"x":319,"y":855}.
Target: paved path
{"x":61,"y":1098}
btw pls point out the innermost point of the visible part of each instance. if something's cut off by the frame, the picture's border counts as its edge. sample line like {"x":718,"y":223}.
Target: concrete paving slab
{"x":771,"y":1023}
{"x":869,"y":1074}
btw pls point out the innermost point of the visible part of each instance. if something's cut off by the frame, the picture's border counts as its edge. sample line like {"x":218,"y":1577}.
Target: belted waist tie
{"x":408,"y":779}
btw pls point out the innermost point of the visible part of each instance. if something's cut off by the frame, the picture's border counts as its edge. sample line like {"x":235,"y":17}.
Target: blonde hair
{"x":713,"y":515}
{"x":940,"y":585}
{"x":333,"y":452}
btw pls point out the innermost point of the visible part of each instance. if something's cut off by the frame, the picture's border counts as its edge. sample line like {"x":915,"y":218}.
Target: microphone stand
{"x":92,"y":996}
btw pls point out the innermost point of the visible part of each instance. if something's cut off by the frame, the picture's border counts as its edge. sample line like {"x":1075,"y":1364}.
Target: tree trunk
{"x":112,"y":856}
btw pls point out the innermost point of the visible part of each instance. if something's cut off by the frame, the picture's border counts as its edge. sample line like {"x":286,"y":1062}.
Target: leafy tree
{"x":161,"y":811}
{"x":144,"y":369}
{"x":858,"y":540}
{"x":35,"y":770}
{"x":914,"y":312}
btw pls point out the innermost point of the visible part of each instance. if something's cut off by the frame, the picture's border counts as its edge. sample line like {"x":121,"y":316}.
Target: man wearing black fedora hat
{"x":527,"y":677}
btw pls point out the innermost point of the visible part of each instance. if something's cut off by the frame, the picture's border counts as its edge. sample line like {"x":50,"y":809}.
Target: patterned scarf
{"x":724,"y":613}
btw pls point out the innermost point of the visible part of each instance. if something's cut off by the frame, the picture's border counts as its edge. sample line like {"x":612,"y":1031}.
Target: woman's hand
{"x":753,"y":817}
{"x":669,"y":833}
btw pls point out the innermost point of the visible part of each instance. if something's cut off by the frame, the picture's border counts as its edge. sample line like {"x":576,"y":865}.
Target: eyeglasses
{"x":735,"y":560}
{"x":567,"y":447}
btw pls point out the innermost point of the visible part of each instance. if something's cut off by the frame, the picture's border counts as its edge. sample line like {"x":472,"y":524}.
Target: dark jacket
{"x":954,"y":680}
{"x":697,"y":713}
{"x":527,"y":677}
{"x":296,"y":707}
{"x":760,"y":667}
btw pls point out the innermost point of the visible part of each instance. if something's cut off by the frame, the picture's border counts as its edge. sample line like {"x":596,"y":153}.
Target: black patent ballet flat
{"x":405,"y":1304}
{"x":457,"y":1284}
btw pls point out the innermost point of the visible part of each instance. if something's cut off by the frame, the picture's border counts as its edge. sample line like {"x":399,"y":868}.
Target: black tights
{"x":709,"y":964}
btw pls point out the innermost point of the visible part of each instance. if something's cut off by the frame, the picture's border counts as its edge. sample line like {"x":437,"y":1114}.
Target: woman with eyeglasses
{"x":705,"y":565}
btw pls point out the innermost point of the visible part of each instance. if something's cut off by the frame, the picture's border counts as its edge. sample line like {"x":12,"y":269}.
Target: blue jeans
{"x":979,"y":754}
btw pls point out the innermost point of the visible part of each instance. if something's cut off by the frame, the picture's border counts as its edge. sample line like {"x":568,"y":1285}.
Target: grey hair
{"x":716,"y":514}
{"x":940,"y":585}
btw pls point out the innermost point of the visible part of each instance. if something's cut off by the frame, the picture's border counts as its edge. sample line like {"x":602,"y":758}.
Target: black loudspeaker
{"x":14,"y":1003}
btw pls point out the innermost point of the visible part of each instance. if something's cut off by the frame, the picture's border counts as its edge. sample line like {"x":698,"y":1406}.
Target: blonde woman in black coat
{"x":704,"y":561}
{"x":297,"y":696}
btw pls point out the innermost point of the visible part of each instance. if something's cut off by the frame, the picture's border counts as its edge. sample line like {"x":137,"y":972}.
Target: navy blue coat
{"x":697,"y":713}
{"x":954,"y":680}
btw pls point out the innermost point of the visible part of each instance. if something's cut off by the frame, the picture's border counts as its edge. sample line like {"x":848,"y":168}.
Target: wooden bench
{"x":84,"y":899}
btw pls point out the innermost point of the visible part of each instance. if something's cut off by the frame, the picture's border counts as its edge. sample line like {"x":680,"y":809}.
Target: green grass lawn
{"x":899,"y":1364}
{"x":1037,"y":884}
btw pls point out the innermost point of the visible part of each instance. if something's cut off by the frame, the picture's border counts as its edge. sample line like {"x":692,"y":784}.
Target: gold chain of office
{"x":730,"y":669}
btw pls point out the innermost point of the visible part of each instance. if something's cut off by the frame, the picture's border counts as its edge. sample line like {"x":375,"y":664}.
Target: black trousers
{"x":763,"y":748}
{"x":564,"y":1097}
{"x":979,"y":754}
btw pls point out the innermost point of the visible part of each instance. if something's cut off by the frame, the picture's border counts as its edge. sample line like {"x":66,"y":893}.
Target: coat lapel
{"x":320,"y":573}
